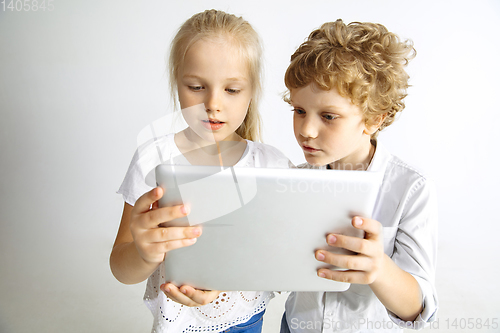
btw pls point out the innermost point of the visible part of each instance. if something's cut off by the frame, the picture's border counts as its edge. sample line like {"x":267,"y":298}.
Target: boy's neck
{"x":360,"y":162}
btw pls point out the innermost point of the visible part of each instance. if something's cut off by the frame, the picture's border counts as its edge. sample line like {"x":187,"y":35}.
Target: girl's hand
{"x":151,"y":240}
{"x":189,"y":296}
{"x":363,"y":267}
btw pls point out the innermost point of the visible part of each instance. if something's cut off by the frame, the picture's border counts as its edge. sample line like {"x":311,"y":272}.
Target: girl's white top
{"x":230,"y":308}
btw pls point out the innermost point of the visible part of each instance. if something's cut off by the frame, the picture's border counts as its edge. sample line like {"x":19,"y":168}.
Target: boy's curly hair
{"x":364,"y":61}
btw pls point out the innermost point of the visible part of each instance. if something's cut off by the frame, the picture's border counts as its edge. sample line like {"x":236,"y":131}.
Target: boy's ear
{"x":372,"y":125}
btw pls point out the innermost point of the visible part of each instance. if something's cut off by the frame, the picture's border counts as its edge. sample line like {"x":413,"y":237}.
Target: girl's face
{"x":214,"y":91}
{"x":330,"y":129}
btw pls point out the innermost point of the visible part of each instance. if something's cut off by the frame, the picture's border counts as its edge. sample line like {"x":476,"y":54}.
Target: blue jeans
{"x":253,"y":325}
{"x":284,"y":325}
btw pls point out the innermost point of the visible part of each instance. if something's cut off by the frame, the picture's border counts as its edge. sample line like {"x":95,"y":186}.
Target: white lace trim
{"x":229,"y":309}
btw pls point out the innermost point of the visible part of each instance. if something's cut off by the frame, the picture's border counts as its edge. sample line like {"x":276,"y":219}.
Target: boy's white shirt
{"x":230,"y":308}
{"x":407,"y":208}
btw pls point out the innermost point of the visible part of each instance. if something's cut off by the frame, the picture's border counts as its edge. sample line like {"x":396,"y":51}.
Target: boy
{"x":346,"y":83}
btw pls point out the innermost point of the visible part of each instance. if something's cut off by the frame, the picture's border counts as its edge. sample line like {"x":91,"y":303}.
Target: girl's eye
{"x":195,"y":88}
{"x":232,"y":91}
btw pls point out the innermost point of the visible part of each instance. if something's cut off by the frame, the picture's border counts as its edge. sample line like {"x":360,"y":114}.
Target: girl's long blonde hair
{"x":215,"y":24}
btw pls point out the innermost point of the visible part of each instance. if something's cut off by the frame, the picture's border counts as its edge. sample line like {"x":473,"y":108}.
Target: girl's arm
{"x":141,"y":244}
{"x":395,"y":288}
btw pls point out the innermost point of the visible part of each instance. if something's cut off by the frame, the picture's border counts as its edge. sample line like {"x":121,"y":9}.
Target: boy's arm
{"x":395,"y":288}
{"x":413,"y":258}
{"x":398,"y":291}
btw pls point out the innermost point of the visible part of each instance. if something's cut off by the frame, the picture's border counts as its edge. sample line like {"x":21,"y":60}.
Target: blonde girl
{"x":215,"y":71}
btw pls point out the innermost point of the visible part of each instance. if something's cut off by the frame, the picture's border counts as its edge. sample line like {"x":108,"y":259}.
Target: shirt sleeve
{"x":271,"y":157}
{"x":416,"y":247}
{"x":143,"y":162}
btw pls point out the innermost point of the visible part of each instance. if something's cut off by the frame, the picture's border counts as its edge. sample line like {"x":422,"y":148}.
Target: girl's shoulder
{"x":265,"y":156}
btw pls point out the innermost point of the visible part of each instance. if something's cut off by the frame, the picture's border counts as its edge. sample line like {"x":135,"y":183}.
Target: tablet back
{"x":262,"y":226}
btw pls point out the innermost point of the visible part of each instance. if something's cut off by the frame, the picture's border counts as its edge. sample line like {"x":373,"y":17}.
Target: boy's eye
{"x":298,"y":111}
{"x":329,"y":116}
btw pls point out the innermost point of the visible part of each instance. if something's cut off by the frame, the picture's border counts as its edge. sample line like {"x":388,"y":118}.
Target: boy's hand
{"x":189,"y":296}
{"x":363,"y":267}
{"x":151,"y":240}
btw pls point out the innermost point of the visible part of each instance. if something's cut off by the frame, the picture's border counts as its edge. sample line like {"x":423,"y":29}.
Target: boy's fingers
{"x":354,"y":244}
{"x":346,"y":276}
{"x":372,"y":228}
{"x":351,"y":262}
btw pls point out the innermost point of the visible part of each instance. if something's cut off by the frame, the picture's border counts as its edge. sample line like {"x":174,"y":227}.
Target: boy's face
{"x":329,"y":128}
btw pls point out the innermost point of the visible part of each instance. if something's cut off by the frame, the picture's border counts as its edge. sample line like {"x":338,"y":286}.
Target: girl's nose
{"x":213,"y":102}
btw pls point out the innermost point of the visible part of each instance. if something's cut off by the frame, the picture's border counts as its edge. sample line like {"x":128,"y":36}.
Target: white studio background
{"x":78,"y":83}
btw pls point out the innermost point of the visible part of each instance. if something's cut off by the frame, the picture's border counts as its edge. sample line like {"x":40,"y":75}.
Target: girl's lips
{"x":212,"y":124}
{"x":309,"y":149}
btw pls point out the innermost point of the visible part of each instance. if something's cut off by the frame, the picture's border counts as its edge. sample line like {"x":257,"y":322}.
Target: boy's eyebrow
{"x":332,"y":108}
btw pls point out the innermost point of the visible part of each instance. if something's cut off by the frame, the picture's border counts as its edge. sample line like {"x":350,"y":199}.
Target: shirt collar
{"x":380,"y":158}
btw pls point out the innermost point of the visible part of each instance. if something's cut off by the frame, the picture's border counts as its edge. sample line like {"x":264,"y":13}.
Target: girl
{"x":215,"y":70}
{"x":346,"y":83}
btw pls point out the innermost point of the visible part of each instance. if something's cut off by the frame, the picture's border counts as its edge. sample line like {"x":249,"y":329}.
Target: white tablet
{"x":262,"y":226}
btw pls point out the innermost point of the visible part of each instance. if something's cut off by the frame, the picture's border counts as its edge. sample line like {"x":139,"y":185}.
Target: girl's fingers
{"x":155,"y":252}
{"x":173,"y":245}
{"x":160,"y":235}
{"x":143,"y":204}
{"x":188,"y":296}
{"x":172,"y":292}
{"x":198,"y":296}
{"x":153,"y":218}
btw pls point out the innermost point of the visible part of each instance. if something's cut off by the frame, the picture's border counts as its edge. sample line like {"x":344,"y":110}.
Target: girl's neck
{"x":202,"y":152}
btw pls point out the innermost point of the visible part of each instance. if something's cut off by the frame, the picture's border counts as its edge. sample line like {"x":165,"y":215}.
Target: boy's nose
{"x":308,"y":128}
{"x":213,"y":102}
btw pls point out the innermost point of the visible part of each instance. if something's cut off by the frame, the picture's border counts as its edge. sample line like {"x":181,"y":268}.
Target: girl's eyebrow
{"x":228,"y":79}
{"x":237,"y":79}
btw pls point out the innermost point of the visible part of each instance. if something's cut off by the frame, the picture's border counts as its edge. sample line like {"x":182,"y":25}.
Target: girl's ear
{"x":372,"y":125}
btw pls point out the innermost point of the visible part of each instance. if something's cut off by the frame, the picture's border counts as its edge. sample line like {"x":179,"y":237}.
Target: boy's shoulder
{"x":405,"y":179}
{"x":398,"y":166}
